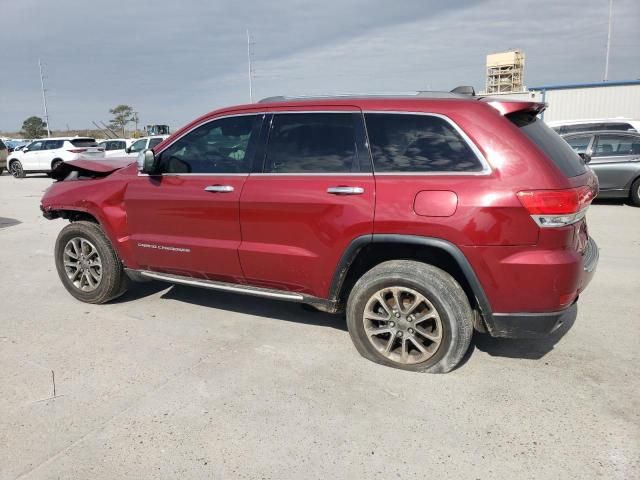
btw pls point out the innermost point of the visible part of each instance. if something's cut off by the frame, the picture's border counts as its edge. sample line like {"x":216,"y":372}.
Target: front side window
{"x":616,"y":146}
{"x":219,"y":146}
{"x":314,"y":143}
{"x":418,"y":143}
{"x":139,"y":145}
{"x":35,"y":146}
{"x":579,"y":144}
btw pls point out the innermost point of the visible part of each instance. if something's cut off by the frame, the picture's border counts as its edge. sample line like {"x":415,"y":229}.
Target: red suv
{"x":422,"y":217}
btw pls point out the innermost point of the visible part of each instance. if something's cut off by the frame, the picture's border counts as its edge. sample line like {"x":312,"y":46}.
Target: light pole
{"x":606,"y":62}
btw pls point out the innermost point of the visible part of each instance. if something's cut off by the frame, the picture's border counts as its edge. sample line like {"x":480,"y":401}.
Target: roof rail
{"x":455,"y":93}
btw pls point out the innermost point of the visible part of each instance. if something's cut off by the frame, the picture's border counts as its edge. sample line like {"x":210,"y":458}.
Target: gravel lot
{"x":175,"y":382}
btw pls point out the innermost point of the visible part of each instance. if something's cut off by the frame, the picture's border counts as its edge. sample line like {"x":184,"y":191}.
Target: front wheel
{"x":87,"y":264}
{"x":410,"y":315}
{"x":15,"y":168}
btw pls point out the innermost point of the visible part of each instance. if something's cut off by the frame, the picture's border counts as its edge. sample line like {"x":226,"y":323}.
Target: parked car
{"x":3,"y":156}
{"x":615,"y":158}
{"x":13,"y":145}
{"x":420,"y":217}
{"x":574,"y":126}
{"x":143,"y":144}
{"x":42,"y":156}
{"x":115,"y":147}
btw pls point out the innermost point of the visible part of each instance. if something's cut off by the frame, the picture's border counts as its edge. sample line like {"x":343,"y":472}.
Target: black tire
{"x":635,"y":193}
{"x":55,"y":163}
{"x":1,"y":170}
{"x":113,"y":281}
{"x":15,"y":168}
{"x":439,"y":288}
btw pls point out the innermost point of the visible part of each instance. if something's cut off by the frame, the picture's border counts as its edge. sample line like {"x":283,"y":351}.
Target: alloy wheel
{"x":16,"y":169}
{"x":82,"y":264}
{"x":402,"y":325}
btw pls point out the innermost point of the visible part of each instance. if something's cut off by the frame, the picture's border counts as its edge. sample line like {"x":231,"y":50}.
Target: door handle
{"x":345,"y":190}
{"x":219,"y":188}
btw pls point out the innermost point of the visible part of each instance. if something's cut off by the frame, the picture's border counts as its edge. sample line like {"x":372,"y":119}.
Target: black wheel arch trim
{"x":358,"y":243}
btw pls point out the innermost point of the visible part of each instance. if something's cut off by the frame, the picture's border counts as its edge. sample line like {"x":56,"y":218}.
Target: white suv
{"x":42,"y":156}
{"x":115,"y":147}
{"x":143,"y":144}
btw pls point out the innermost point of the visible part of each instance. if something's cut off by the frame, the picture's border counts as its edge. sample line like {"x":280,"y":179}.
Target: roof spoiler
{"x":507,"y":107}
{"x":464,"y":90}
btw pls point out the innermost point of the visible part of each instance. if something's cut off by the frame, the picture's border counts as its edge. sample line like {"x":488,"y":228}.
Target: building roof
{"x":570,"y":86}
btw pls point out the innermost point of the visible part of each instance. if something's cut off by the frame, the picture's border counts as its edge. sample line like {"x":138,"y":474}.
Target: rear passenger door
{"x":311,"y":196}
{"x":615,"y":160}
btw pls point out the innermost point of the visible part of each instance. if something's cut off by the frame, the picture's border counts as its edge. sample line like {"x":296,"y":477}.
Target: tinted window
{"x":219,"y":146}
{"x":154,"y":141}
{"x":52,"y":144}
{"x":550,"y":143}
{"x":418,"y":143}
{"x":579,"y":144}
{"x":616,"y":145}
{"x":84,"y":142}
{"x":314,"y":143}
{"x":618,"y":126}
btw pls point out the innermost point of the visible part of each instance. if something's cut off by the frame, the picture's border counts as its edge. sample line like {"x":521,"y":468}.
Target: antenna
{"x":44,"y":98}
{"x":249,"y":61}
{"x":606,"y":62}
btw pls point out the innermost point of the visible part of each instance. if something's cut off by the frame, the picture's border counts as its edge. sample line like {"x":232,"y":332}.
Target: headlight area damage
{"x":88,"y":169}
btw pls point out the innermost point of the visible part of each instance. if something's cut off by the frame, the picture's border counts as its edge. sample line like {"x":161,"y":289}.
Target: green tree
{"x":34,"y":127}
{"x":122,"y":115}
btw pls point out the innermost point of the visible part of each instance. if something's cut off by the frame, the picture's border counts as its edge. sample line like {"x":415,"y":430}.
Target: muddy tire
{"x":410,"y":315}
{"x":87,"y":264}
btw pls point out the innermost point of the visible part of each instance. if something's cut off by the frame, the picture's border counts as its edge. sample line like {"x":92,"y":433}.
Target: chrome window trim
{"x":314,"y":174}
{"x":486,"y":168}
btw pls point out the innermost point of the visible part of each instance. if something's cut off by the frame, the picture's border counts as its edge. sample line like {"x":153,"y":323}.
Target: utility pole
{"x":44,"y":99}
{"x":606,"y":62}
{"x":250,"y":67}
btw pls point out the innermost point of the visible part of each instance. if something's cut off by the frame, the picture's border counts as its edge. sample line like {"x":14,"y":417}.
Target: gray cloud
{"x":173,"y":60}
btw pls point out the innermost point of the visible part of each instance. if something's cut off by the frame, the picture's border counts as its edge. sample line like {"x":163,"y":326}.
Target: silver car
{"x":614,"y":156}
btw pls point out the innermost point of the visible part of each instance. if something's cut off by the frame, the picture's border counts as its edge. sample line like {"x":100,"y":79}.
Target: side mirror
{"x":147,"y":161}
{"x":25,"y":149}
{"x":127,"y":149}
{"x":586,"y":158}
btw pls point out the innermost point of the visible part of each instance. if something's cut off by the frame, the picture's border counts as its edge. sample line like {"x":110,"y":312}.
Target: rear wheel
{"x":410,"y":315}
{"x":15,"y":168}
{"x":635,"y":192}
{"x":87,"y":264}
{"x":55,"y":163}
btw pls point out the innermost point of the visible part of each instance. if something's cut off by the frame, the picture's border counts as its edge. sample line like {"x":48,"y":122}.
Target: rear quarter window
{"x":552,"y":144}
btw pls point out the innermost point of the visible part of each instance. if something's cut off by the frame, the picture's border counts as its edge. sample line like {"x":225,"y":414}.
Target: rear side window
{"x":315,"y":143}
{"x":84,"y":142}
{"x":418,"y":143}
{"x":53,"y":144}
{"x":550,"y":143}
{"x":154,"y":141}
{"x":616,"y":146}
{"x":579,"y":144}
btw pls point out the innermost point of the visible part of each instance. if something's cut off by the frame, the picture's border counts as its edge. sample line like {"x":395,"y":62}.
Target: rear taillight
{"x":557,"y":208}
{"x":77,"y":150}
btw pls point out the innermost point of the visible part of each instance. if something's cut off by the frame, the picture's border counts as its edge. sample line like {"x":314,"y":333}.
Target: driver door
{"x":31,"y":158}
{"x":186,"y":219}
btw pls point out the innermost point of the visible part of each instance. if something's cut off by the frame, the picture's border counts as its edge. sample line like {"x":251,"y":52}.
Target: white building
{"x":586,"y":101}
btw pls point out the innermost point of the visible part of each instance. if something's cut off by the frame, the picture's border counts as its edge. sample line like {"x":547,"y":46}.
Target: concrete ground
{"x":176,"y":382}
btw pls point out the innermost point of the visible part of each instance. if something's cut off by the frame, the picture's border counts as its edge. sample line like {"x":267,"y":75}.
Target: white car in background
{"x":115,"y":147}
{"x":42,"y":156}
{"x":573,"y":126}
{"x":144,"y":143}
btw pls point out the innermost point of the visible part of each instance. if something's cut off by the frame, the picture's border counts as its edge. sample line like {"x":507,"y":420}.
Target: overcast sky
{"x":173,"y":60}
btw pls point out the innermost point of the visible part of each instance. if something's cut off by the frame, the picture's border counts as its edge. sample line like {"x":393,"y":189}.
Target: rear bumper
{"x":532,"y":325}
